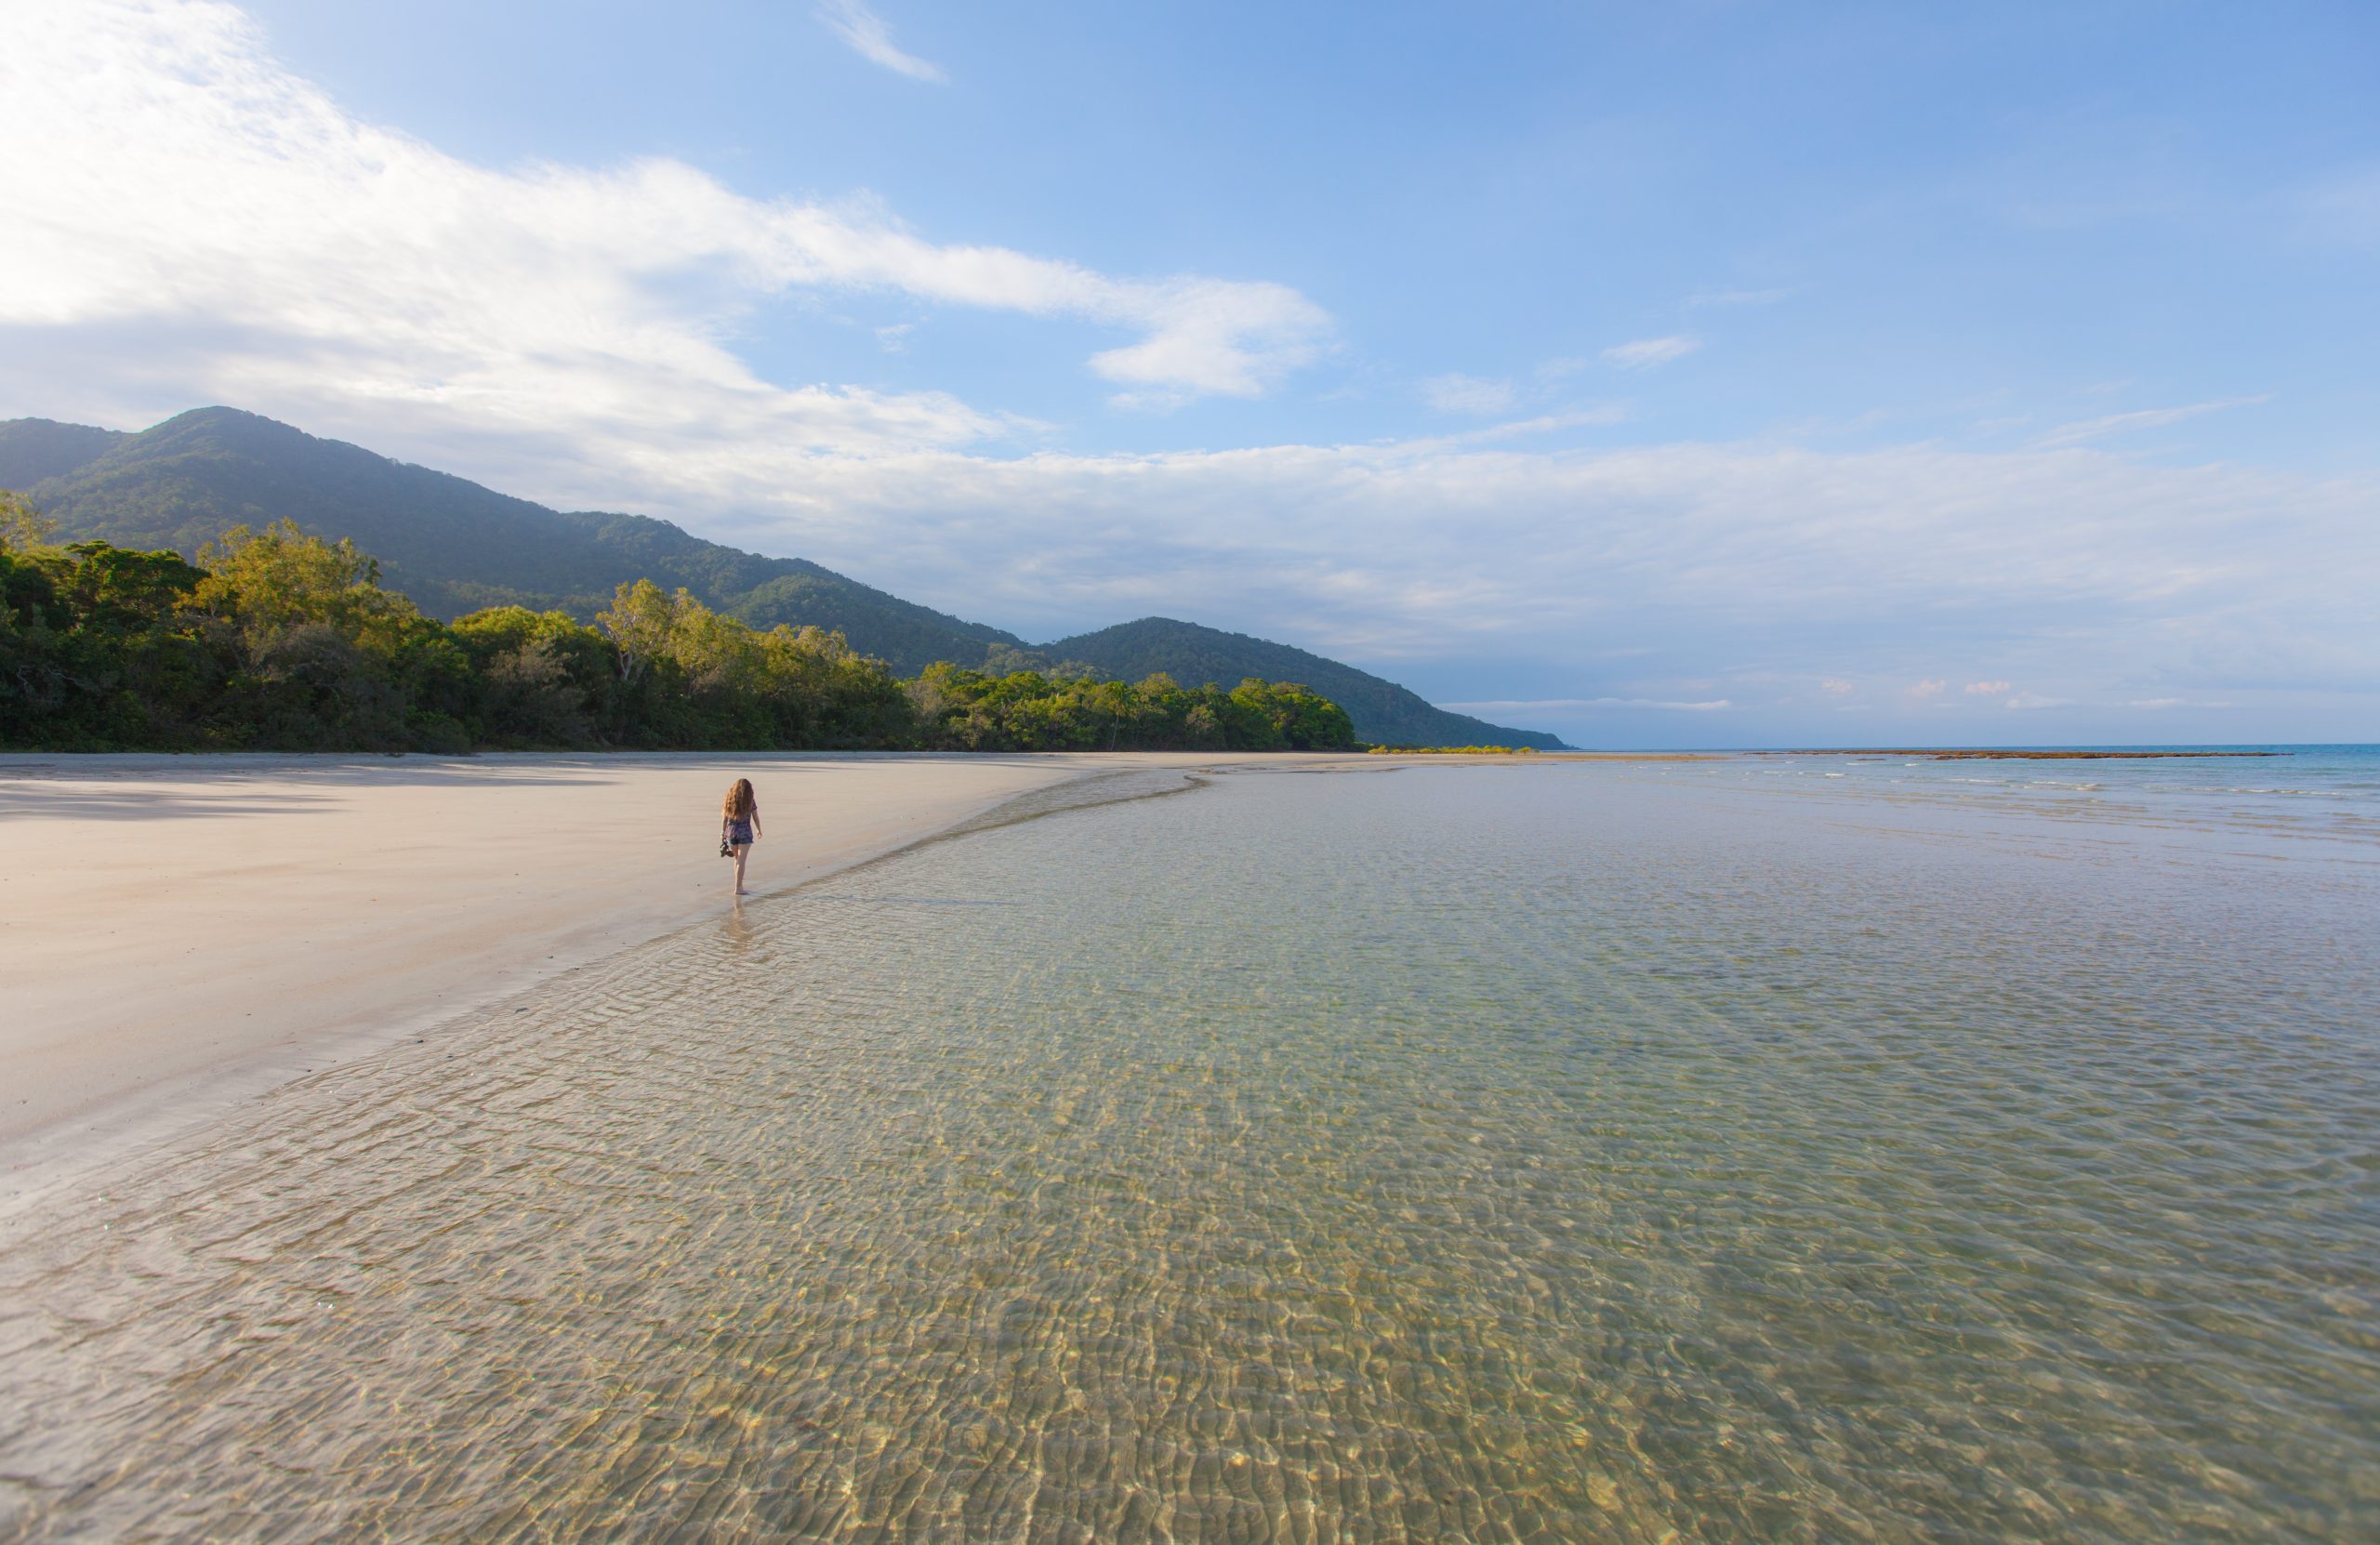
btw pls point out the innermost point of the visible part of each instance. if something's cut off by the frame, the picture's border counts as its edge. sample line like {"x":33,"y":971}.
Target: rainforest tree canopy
{"x":274,"y":640}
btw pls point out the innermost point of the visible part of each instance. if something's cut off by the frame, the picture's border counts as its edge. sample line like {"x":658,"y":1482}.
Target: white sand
{"x":177,"y":933}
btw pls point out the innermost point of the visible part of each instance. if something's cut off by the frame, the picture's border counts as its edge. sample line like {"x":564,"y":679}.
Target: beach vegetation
{"x":274,"y":640}
{"x":973,"y":710}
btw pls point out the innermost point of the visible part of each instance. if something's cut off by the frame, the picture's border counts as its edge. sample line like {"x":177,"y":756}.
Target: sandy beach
{"x":180,"y":933}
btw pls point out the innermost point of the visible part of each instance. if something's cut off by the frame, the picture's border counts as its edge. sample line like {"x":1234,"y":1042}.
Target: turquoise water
{"x":1711,"y":1151}
{"x":2325,"y":793}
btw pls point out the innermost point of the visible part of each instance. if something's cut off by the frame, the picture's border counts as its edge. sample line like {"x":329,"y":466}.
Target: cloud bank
{"x":166,"y":171}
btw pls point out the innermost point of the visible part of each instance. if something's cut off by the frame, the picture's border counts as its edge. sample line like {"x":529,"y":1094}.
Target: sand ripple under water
{"x":1544,"y":1154}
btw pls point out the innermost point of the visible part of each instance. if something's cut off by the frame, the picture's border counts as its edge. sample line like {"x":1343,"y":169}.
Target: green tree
{"x":1280,"y":715}
{"x":279,"y":640}
{"x":270,"y":582}
{"x":643,"y":620}
{"x":543,"y":679}
{"x":96,"y":652}
{"x":23,"y":528}
{"x":332,"y":660}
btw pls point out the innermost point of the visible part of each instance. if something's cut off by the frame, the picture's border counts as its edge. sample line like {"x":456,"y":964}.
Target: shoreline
{"x":182,"y":934}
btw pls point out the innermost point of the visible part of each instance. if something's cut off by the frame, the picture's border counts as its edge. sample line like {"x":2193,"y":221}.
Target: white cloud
{"x":1987,"y":688}
{"x":2033,"y":700}
{"x":1522,"y":428}
{"x":1737,"y":298}
{"x":167,"y":174}
{"x":1644,"y":353}
{"x":1931,"y":687}
{"x":1835,"y":686}
{"x":1467,"y":394}
{"x":857,"y":24}
{"x":1486,"y":396}
{"x":2124,"y":422}
{"x":1726,"y":559}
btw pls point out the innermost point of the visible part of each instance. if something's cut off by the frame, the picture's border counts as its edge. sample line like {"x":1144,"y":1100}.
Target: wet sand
{"x":177,"y":933}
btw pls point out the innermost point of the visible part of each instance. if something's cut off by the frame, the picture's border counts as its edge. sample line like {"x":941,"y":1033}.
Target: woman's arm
{"x":756,"y":820}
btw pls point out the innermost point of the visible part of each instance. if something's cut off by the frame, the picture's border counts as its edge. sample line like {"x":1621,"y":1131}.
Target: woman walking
{"x":739,"y":825}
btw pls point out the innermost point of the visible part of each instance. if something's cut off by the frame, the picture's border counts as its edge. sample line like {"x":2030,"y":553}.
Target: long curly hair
{"x":739,"y":804}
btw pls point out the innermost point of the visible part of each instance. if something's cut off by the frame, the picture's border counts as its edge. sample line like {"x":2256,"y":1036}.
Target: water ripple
{"x":1519,"y":1154}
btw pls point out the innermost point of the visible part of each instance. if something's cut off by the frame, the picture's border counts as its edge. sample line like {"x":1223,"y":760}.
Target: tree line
{"x":276,"y":640}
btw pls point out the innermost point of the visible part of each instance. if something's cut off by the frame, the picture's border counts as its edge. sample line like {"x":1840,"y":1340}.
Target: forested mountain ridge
{"x":450,"y":544}
{"x":35,"y":450}
{"x":1383,"y":712}
{"x":455,"y":547}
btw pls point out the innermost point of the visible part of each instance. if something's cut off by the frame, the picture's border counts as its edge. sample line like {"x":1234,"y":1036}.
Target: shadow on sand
{"x":151,"y":786}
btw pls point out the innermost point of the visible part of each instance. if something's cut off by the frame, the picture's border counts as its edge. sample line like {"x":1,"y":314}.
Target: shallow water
{"x":2287,"y":796}
{"x":1541,"y":1153}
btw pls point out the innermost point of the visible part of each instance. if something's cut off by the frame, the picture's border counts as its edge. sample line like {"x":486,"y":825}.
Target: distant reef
{"x":1995,"y":754}
{"x":456,"y":547}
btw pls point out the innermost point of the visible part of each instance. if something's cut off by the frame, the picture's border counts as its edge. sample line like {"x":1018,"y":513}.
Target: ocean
{"x":1757,"y":1148}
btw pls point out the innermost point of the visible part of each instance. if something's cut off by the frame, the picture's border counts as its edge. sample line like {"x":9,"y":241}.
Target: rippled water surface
{"x":1545,"y":1152}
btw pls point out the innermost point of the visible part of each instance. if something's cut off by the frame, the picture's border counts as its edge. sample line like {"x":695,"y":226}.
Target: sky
{"x":1708,"y":374}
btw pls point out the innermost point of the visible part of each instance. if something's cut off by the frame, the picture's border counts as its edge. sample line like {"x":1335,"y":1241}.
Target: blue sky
{"x":1682,"y":375}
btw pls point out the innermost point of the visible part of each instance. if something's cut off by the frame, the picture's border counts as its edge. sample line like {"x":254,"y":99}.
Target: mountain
{"x":1384,"y":712}
{"x":451,"y":545}
{"x":455,"y":547}
{"x":35,"y":450}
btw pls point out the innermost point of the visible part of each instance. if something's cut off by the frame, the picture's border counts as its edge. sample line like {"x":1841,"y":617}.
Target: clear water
{"x":1691,"y":1150}
{"x":2288,"y":795}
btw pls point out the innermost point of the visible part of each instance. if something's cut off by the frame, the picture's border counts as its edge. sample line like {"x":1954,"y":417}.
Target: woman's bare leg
{"x":743,"y":852}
